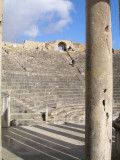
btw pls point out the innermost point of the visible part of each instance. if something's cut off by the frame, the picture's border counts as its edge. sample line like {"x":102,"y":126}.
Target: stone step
{"x":25,"y":115}
{"x":25,"y":122}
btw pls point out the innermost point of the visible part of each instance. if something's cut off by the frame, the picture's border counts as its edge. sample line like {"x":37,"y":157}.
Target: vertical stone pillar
{"x":99,"y":80}
{"x":47,"y":112}
{"x":5,"y":109}
{"x":1,"y":17}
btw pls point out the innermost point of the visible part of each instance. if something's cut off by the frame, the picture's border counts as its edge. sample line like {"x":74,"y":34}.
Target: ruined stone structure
{"x":43,"y":84}
{"x":48,"y":46}
{"x":27,"y":73}
{"x":116,"y":125}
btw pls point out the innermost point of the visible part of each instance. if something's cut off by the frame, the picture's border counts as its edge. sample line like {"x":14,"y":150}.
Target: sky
{"x":49,"y":20}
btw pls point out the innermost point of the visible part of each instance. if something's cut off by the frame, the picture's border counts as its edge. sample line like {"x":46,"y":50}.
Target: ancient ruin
{"x":41,"y":84}
{"x":44,"y":82}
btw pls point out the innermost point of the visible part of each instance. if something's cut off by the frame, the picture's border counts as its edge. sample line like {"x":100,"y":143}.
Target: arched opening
{"x":62,"y":46}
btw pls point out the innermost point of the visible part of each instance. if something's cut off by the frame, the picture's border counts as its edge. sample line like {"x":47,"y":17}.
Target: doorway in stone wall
{"x":62,"y":46}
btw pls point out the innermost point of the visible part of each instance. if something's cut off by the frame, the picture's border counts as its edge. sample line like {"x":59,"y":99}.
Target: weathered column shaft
{"x":99,"y":80}
{"x":1,"y":18}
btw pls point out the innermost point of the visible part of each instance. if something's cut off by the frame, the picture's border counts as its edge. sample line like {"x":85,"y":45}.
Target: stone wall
{"x":51,"y":46}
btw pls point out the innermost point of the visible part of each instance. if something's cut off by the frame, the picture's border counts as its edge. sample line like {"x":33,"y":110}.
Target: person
{"x":69,"y":48}
{"x":112,"y":50}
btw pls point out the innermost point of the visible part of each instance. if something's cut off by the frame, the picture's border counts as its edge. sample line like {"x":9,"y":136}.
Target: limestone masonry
{"x":40,"y":83}
{"x":52,"y":46}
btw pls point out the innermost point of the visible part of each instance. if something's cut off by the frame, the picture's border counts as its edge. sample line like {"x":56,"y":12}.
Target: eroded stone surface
{"x":51,"y":46}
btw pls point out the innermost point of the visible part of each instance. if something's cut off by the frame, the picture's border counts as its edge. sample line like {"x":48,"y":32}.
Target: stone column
{"x":99,"y":80}
{"x":5,"y":109}
{"x":1,"y":16}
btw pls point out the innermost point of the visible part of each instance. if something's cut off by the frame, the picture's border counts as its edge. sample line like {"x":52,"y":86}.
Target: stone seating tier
{"x":42,"y":79}
{"x":45,"y":86}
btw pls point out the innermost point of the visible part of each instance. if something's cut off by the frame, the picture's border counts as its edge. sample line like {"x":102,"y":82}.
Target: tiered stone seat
{"x":45,"y":85}
{"x":39,"y":80}
{"x":116,"y":84}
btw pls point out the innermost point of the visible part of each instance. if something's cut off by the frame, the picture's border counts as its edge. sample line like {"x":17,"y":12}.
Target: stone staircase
{"x":39,"y":80}
{"x":116,"y":85}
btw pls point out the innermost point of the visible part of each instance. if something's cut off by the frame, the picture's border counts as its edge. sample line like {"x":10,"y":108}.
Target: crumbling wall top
{"x":52,"y":46}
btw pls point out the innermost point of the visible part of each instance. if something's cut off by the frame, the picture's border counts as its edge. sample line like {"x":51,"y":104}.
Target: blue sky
{"x":115,"y":24}
{"x":59,"y":19}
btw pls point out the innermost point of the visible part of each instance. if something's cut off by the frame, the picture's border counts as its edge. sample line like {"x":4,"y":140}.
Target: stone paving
{"x":44,"y":142}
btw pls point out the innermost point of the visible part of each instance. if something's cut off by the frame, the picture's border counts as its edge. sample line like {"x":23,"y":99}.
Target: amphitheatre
{"x":44,"y":83}
{"x":61,"y":100}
